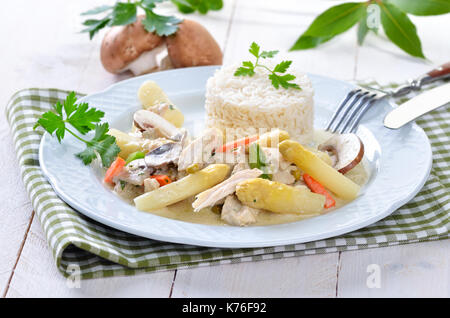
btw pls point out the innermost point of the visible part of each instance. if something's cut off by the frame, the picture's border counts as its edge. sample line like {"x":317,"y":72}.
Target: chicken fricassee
{"x":261,"y":179}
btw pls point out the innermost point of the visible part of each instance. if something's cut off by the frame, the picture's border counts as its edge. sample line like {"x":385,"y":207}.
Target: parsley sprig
{"x":124,"y":13}
{"x":67,"y":115}
{"x":277,"y":74}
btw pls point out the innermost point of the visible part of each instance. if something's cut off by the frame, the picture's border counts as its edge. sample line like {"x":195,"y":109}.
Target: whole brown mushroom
{"x":130,"y":47}
{"x":133,"y":48}
{"x":193,"y":45}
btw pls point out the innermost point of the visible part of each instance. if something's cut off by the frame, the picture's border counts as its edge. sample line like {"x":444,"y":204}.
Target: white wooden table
{"x":42,"y":48}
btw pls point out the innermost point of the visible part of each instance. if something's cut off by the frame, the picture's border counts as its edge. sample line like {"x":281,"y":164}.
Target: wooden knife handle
{"x":442,"y":70}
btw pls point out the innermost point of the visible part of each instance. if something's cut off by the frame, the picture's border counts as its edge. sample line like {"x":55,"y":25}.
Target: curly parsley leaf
{"x":84,"y":119}
{"x":277,"y":80}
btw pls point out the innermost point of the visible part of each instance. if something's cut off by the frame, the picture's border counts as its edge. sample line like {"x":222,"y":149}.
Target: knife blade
{"x":418,"y":106}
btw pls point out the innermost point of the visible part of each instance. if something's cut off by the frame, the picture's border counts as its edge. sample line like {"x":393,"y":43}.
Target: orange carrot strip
{"x":114,"y":169}
{"x":238,"y":143}
{"x":316,"y":187}
{"x":162,"y":179}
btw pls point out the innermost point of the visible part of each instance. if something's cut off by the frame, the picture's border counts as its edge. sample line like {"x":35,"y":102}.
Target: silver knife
{"x":417,"y":106}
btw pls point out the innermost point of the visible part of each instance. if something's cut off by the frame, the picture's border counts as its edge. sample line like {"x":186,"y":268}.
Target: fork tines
{"x":347,"y":116}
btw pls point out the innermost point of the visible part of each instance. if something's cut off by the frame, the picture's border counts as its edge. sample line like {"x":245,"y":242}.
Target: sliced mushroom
{"x":145,"y":119}
{"x":163,"y":155}
{"x":131,"y":47}
{"x":347,"y":149}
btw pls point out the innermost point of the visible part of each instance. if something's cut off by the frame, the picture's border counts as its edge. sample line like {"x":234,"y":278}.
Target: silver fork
{"x":347,"y":116}
{"x":352,"y":108}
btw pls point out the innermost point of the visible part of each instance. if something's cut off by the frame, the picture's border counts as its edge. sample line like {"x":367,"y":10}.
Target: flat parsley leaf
{"x":282,"y":67}
{"x":254,"y":49}
{"x":124,"y":13}
{"x":162,"y":25}
{"x":268,"y":54}
{"x":103,"y":144}
{"x":52,"y":123}
{"x":202,"y":6}
{"x":84,"y":119}
{"x":248,"y":68}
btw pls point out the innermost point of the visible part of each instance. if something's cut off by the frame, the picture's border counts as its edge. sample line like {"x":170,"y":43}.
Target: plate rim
{"x":230,"y":244}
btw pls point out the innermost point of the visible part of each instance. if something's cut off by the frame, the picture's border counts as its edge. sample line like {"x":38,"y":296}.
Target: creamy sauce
{"x":183,"y":210}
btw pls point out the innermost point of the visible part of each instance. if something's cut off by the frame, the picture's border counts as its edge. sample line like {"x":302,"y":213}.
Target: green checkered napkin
{"x":79,"y":243}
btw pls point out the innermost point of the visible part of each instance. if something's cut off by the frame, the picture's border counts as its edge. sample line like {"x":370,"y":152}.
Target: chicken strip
{"x":234,"y":213}
{"x":212,"y":196}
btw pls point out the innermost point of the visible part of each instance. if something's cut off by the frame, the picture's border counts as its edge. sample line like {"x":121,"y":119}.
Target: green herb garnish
{"x":248,"y":68}
{"x":257,"y":159}
{"x":202,"y":6}
{"x":83,"y":119}
{"x":122,"y":184}
{"x":124,"y":13}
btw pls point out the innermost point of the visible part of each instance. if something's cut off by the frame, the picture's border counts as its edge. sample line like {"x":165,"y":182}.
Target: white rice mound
{"x":243,"y":106}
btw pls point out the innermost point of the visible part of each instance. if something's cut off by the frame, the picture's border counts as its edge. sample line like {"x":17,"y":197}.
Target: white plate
{"x":399,"y":162}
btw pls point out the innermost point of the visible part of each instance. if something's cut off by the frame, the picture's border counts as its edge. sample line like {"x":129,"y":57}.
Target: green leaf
{"x":69,"y":104}
{"x":52,"y":123}
{"x":162,"y":25}
{"x":215,"y":5}
{"x":93,"y":26}
{"x":282,"y":67}
{"x":97,"y":10}
{"x":254,"y":49}
{"x":150,"y":4}
{"x":244,"y":71}
{"x":400,"y":30}
{"x":337,"y":19}
{"x":284,"y":81}
{"x":103,"y":144}
{"x":83,"y":118}
{"x":202,"y":6}
{"x":423,"y":7}
{"x":330,"y":23}
{"x":257,"y":159}
{"x":275,"y":80}
{"x":183,"y":6}
{"x":307,"y":42}
{"x":124,"y":13}
{"x":268,"y":54}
